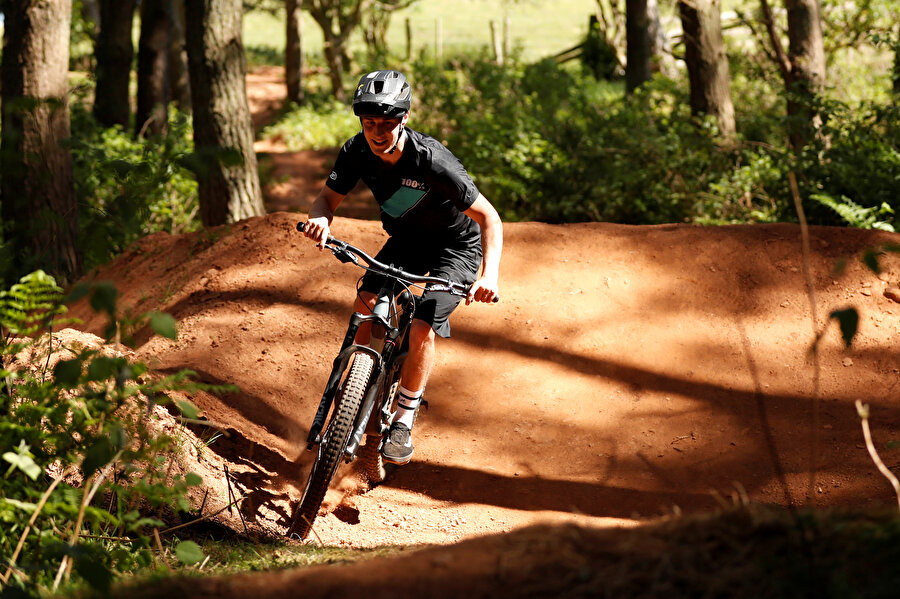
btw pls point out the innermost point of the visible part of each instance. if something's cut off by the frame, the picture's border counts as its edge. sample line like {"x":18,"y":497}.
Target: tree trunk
{"x":293,"y":53}
{"x":660,"y":49}
{"x":114,"y":51}
{"x":37,"y":192}
{"x":806,"y":55}
{"x":153,"y":68}
{"x":179,"y":80}
{"x":707,"y":63}
{"x":638,"y":45}
{"x":228,"y":190}
{"x":335,"y":64}
{"x":90,"y":12}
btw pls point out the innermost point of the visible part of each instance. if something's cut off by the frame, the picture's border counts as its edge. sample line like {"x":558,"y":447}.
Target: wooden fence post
{"x":497,"y":44}
{"x":438,"y":41}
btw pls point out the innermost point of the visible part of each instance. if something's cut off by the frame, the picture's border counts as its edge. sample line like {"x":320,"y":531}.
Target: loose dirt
{"x":628,"y":372}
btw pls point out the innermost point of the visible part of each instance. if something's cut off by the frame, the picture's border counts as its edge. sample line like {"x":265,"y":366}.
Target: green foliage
{"x":856,"y":215}
{"x":86,"y":472}
{"x":128,"y":188}
{"x":549,"y":143}
{"x":314,"y":126}
{"x":856,"y":158}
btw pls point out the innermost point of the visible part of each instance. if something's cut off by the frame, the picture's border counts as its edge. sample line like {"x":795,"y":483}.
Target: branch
{"x":811,"y":293}
{"x":863,"y":411}
{"x":12,"y":561}
{"x":784,"y":64}
{"x":760,"y":39}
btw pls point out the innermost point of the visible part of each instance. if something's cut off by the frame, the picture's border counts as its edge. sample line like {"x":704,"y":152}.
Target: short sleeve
{"x":345,"y":174}
{"x":458,"y":185}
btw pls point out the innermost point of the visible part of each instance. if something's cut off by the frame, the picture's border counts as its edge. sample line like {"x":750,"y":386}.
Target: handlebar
{"x":345,"y":252}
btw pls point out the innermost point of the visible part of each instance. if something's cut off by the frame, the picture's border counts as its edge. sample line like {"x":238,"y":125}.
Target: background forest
{"x":122,"y":118}
{"x":631,"y":113}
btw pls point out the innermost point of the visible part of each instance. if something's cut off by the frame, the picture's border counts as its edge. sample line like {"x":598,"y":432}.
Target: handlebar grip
{"x":301,"y":226}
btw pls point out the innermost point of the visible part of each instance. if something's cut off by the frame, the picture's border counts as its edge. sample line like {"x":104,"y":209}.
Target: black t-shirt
{"x":422,"y":197}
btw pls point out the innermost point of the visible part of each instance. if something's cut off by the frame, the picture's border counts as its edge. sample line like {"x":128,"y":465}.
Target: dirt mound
{"x":628,"y":372}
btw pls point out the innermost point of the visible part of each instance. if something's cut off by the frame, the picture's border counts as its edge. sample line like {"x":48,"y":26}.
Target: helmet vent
{"x":379,"y":86}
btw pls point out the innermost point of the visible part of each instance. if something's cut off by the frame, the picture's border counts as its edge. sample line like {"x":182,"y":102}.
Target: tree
{"x":153,"y":67}
{"x":37,"y":192}
{"x":293,"y":53}
{"x":114,"y":52}
{"x":337,"y":19}
{"x":179,"y":80}
{"x":802,"y":67}
{"x":229,"y":188}
{"x":638,"y":44}
{"x":707,"y":63}
{"x":378,"y":20}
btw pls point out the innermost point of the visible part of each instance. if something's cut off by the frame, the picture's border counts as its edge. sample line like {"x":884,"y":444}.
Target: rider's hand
{"x":484,"y":289}
{"x":317,"y":229}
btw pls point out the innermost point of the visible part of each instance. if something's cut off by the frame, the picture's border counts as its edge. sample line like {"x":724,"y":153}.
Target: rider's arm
{"x":321,"y":214}
{"x":484,"y":213}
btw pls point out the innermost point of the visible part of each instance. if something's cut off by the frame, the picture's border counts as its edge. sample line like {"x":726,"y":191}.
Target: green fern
{"x":30,"y":304}
{"x":873,"y":217}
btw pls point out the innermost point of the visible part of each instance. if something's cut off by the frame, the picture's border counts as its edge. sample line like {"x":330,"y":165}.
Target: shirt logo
{"x":333,"y":176}
{"x":412,"y":183}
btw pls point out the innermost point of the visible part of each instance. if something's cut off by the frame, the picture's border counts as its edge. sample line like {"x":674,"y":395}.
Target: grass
{"x":743,"y":551}
{"x":540,"y":27}
{"x":240,"y":555}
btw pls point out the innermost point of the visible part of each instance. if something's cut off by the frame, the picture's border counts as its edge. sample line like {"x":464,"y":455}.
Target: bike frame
{"x":392,"y":314}
{"x":384,"y":319}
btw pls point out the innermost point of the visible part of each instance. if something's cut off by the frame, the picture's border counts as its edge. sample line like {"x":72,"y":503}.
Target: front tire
{"x":334,"y":440}
{"x":373,"y":466}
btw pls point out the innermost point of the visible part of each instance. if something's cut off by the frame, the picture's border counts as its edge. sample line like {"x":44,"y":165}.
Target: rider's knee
{"x":420,"y":332}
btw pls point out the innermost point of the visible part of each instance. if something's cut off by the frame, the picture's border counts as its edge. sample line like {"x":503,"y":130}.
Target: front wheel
{"x":334,"y":440}
{"x":373,"y":466}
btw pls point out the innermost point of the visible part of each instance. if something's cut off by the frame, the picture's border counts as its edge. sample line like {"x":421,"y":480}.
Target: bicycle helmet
{"x":382,"y":93}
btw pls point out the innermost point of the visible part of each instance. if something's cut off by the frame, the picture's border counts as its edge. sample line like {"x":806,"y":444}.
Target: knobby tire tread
{"x":374,"y":468}
{"x":334,"y":440}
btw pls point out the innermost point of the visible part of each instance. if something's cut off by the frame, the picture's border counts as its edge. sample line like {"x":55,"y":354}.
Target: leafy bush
{"x":75,"y":425}
{"x":314,"y":126}
{"x":857,"y":157}
{"x":127,"y":187}
{"x":550,"y":143}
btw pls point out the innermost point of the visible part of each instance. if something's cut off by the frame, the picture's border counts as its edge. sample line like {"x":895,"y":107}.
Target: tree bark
{"x":179,"y":80}
{"x":638,"y":45}
{"x":90,"y":12}
{"x":228,"y":192}
{"x":37,"y":192}
{"x":293,"y":53}
{"x":152,"y":113}
{"x":806,"y":54}
{"x":707,"y":63}
{"x":114,"y":51}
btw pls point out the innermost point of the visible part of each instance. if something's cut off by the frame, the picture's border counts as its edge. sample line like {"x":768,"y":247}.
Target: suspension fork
{"x":348,"y":348}
{"x":376,"y":385}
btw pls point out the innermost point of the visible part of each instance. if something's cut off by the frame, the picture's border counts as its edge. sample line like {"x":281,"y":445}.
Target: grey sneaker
{"x":398,"y":447}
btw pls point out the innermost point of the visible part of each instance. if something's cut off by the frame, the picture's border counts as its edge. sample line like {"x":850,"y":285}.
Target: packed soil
{"x":628,"y":372}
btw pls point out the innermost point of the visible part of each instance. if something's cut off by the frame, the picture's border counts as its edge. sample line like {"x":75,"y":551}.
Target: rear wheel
{"x":334,"y":440}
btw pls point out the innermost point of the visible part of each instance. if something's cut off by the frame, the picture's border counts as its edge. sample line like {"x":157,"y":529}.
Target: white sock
{"x":406,"y":405}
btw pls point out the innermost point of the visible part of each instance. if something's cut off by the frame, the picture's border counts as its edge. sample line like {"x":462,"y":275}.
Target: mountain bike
{"x":362,"y":388}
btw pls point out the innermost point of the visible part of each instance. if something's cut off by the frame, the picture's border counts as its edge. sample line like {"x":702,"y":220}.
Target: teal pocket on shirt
{"x":402,"y":200}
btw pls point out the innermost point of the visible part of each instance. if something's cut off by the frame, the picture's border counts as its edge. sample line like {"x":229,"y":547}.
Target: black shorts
{"x":458,"y":265}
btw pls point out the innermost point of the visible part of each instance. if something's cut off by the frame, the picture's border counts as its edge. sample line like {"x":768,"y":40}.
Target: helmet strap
{"x":399,"y":137}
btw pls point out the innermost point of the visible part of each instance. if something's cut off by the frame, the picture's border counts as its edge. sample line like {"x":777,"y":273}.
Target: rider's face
{"x":382,"y":132}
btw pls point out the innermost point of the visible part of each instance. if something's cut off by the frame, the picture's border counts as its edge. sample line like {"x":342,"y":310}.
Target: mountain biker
{"x":438,"y":224}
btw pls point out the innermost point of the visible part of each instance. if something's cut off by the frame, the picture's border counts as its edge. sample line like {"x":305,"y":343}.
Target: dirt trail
{"x":628,"y":372}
